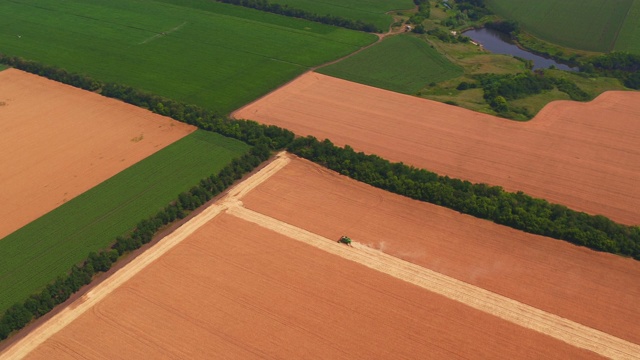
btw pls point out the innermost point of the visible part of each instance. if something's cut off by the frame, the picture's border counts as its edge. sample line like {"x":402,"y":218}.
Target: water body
{"x":500,"y":43}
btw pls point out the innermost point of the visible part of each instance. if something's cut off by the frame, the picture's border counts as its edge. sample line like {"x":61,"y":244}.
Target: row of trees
{"x":499,"y":89}
{"x":286,"y":10}
{"x":474,"y":9}
{"x":247,"y":131}
{"x":509,"y":27}
{"x":516,"y":210}
{"x":621,"y":65}
{"x":20,"y":314}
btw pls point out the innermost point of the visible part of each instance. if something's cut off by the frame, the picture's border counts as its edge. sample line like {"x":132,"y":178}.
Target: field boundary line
{"x":617,"y":35}
{"x":312,"y":69}
{"x":486,"y":301}
{"x":67,"y":315}
{"x":164,"y":33}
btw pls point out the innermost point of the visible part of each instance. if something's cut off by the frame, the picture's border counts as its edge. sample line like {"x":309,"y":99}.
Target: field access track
{"x":544,"y":273}
{"x":57,"y":141}
{"x":584,"y":156}
{"x":254,"y":293}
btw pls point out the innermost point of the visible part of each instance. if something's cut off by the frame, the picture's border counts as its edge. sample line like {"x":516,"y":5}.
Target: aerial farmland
{"x":85,"y":140}
{"x":355,"y":179}
{"x":567,"y":154}
{"x":250,"y":286}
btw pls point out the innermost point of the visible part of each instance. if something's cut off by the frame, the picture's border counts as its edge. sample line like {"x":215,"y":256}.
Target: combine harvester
{"x":345,"y":240}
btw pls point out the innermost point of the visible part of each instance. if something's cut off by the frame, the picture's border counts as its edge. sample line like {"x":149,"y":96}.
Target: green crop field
{"x":629,"y":37}
{"x":591,"y":25}
{"x":401,"y":63}
{"x":48,"y":247}
{"x":369,"y":11}
{"x":200,"y":52}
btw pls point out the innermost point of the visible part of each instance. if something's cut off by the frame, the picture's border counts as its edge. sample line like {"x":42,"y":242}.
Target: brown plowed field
{"x":594,"y":289}
{"x":585,"y":156}
{"x":235,"y":290}
{"x":57,"y":141}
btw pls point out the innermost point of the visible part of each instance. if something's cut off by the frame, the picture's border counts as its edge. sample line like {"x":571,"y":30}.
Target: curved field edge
{"x":402,"y":63}
{"x":591,"y":25}
{"x":35,"y":255}
{"x":151,"y":45}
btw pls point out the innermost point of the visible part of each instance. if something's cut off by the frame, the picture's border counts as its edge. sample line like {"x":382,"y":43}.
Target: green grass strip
{"x":36,"y":254}
{"x":402,"y":63}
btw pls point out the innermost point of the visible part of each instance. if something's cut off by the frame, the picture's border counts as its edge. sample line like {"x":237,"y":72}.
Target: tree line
{"x":621,"y":65}
{"x":516,"y":210}
{"x":499,"y":89}
{"x":286,"y":10}
{"x":474,"y":9}
{"x":36,"y":305}
{"x":423,"y":13}
{"x":247,"y":131}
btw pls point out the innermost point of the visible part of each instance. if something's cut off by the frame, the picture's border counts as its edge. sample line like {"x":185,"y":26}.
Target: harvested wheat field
{"x":57,"y":141}
{"x":598,"y":290}
{"x":235,"y":290}
{"x":585,"y":156}
{"x":233,"y":283}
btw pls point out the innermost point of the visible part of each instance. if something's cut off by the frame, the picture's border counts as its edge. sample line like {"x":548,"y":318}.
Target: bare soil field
{"x":235,"y":290}
{"x":598,"y":290}
{"x":584,"y":156}
{"x":57,"y":141}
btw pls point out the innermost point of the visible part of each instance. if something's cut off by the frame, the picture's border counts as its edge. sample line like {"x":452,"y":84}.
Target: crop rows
{"x":151,"y":45}
{"x":629,"y":36}
{"x":579,"y":24}
{"x":400,"y":63}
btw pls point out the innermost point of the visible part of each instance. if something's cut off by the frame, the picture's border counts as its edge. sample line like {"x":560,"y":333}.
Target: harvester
{"x":345,"y":240}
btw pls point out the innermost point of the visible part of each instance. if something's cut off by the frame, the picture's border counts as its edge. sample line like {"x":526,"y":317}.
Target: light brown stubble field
{"x":57,"y":141}
{"x":585,"y":156}
{"x":235,"y":290}
{"x":598,"y":290}
{"x":63,"y":338}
